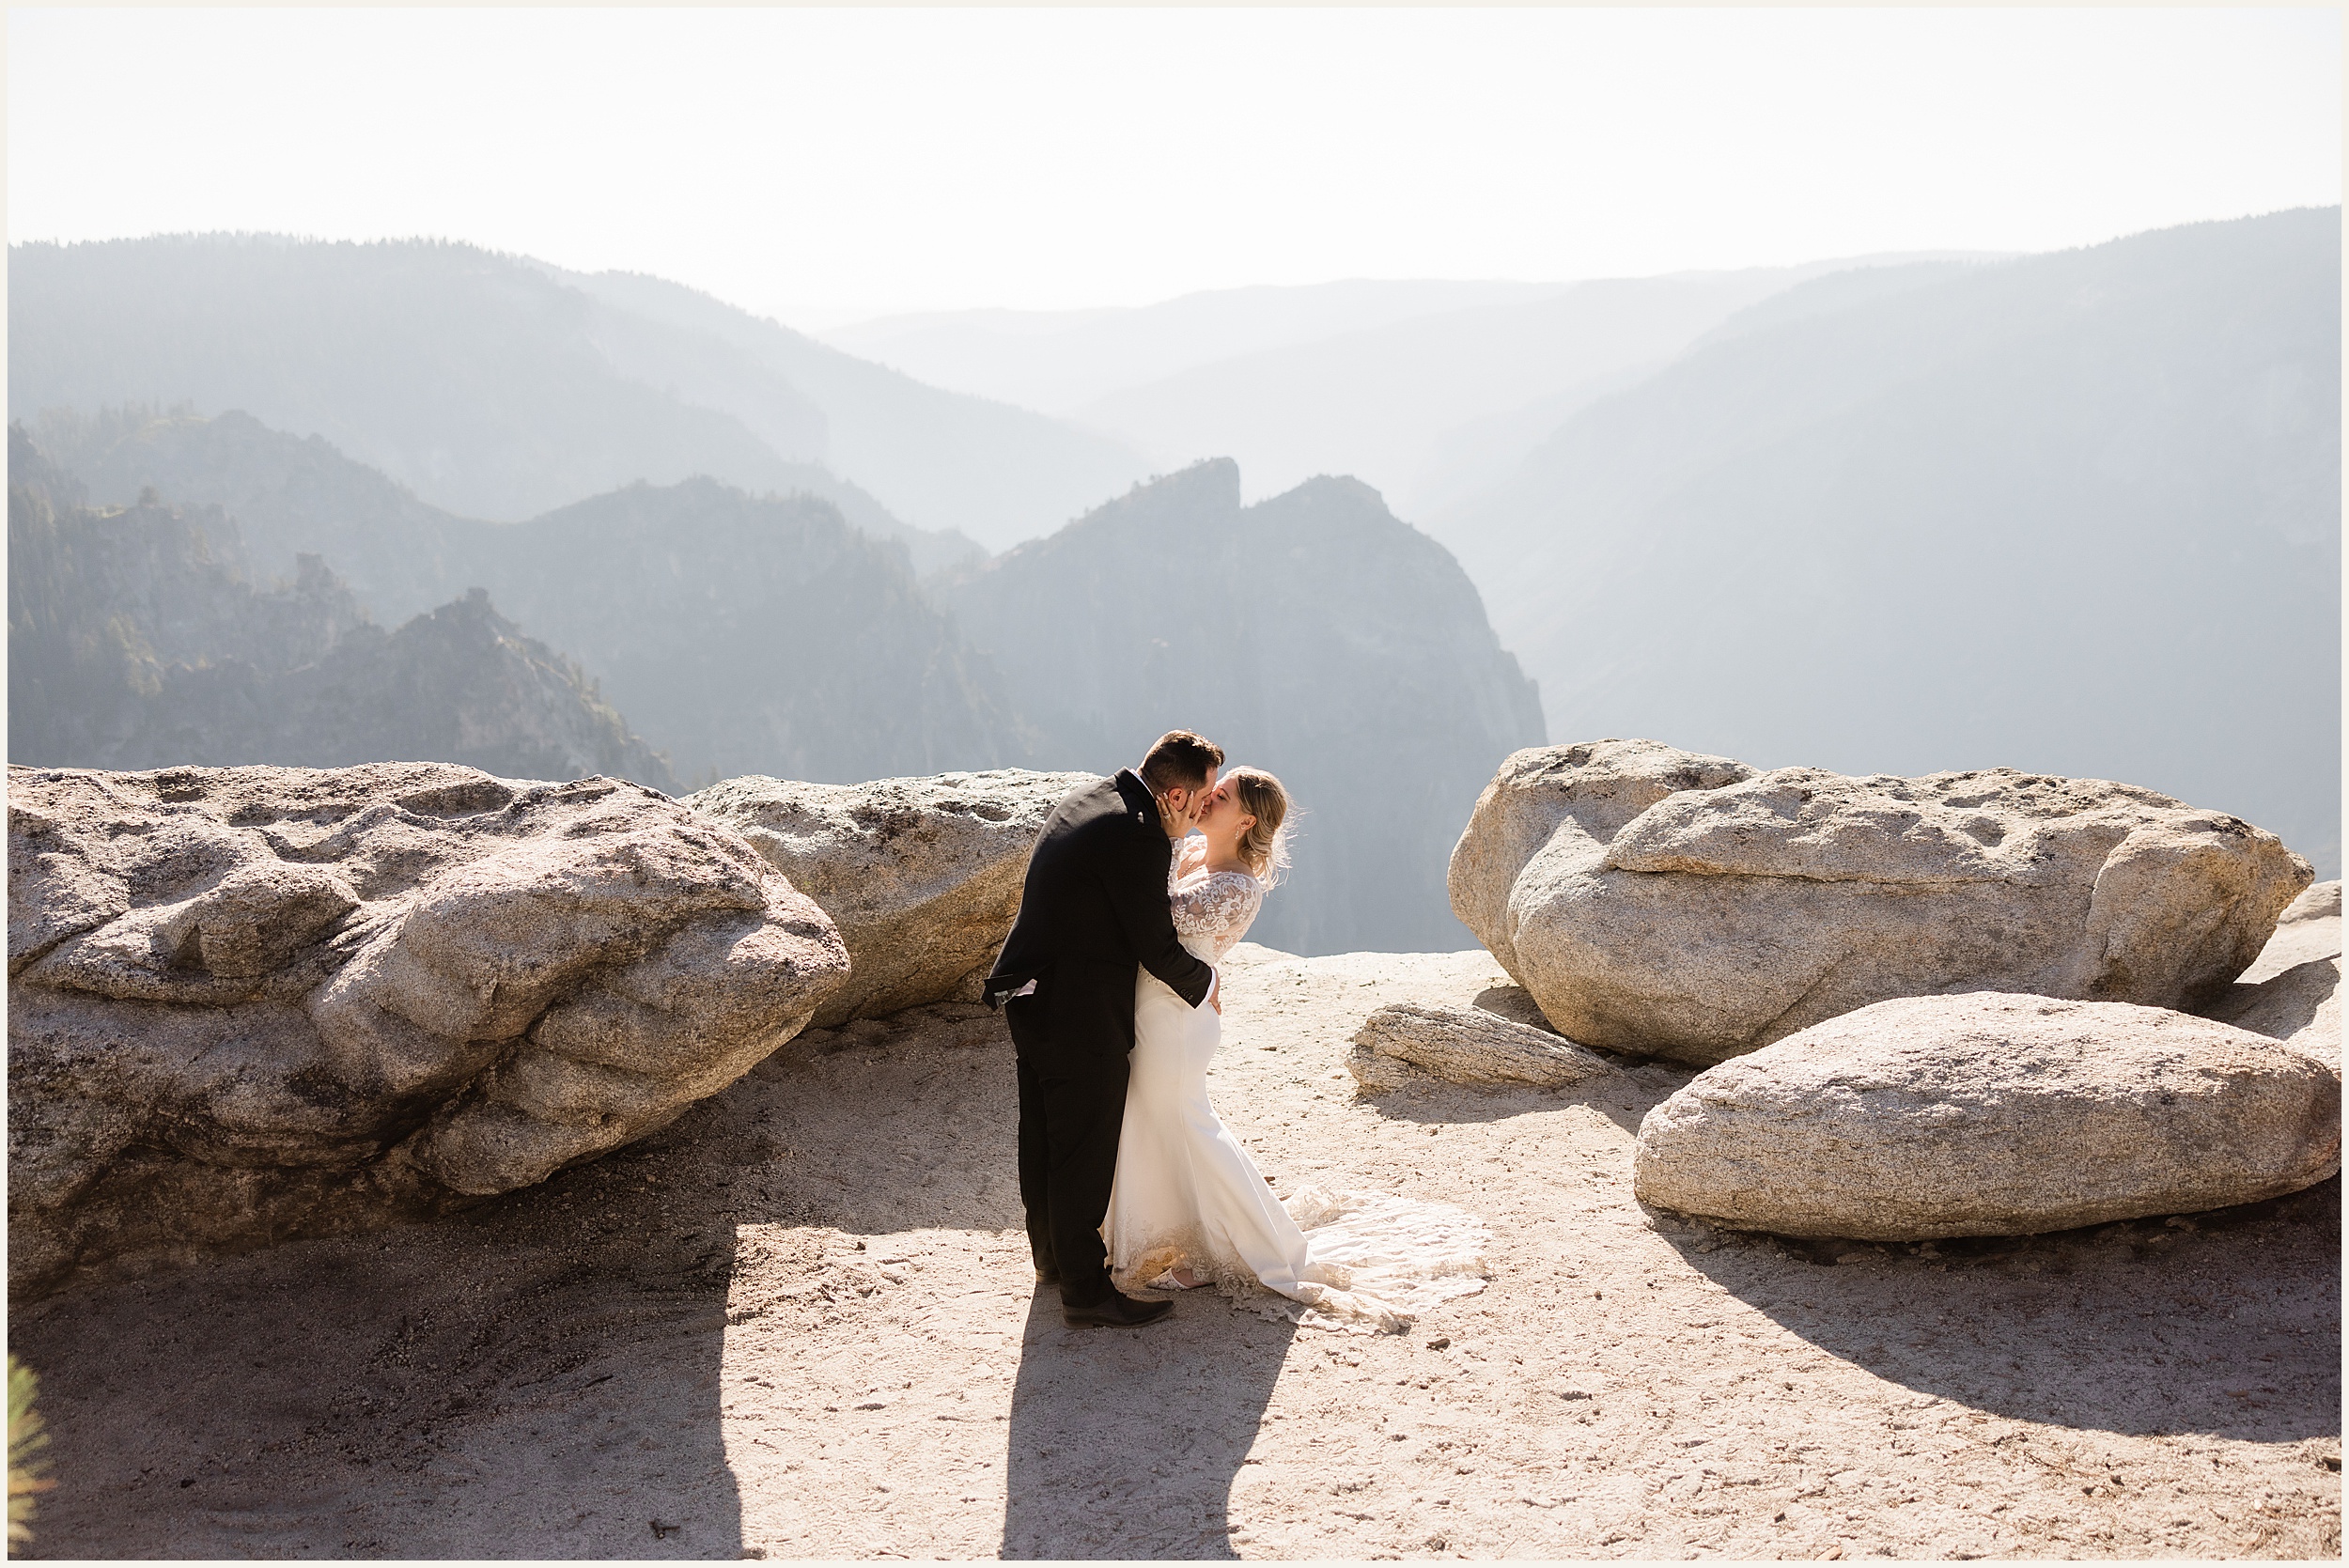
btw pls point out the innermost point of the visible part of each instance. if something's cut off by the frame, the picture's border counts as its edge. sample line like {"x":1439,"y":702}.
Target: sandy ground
{"x":801,"y":1322}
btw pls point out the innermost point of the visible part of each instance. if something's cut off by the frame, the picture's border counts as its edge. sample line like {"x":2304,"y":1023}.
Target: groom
{"x":1093,"y":908}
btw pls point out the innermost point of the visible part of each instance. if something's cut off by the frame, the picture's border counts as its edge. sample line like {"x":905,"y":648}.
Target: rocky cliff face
{"x":1312,"y":634}
{"x":135,"y":641}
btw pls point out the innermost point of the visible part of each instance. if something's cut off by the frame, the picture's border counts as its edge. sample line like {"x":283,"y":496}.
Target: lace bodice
{"x":1212,"y":908}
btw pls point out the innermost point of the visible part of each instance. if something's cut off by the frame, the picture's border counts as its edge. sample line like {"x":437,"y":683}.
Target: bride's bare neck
{"x":1224,"y":857}
{"x":1214,"y":857}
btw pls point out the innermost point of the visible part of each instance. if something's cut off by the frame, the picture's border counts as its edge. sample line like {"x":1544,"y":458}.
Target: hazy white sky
{"x":816,"y":164}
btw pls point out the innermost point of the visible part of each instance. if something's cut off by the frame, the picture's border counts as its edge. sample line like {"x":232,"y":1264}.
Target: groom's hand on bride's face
{"x":1178,"y":810}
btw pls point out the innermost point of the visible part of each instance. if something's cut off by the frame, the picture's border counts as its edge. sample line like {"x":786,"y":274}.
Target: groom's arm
{"x":1136,"y":889}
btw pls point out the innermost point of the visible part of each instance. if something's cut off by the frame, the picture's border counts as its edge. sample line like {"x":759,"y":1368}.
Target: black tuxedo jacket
{"x":1094,"y":907}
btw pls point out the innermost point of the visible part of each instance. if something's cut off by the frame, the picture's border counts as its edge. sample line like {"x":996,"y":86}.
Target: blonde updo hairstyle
{"x":1264,"y":845}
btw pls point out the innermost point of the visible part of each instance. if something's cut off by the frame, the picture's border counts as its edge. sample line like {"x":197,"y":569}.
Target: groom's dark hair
{"x":1180,"y":760}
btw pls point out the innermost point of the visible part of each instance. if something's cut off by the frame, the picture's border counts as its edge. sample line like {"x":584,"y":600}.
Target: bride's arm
{"x":1218,"y":908}
{"x":1190,"y":856}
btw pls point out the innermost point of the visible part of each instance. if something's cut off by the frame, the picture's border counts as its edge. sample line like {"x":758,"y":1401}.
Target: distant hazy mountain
{"x":292,"y":496}
{"x":1436,"y":404}
{"x":939,"y":459}
{"x":135,"y":642}
{"x":497,"y":387}
{"x":1312,"y":634}
{"x":1063,"y":360}
{"x":2078,"y":513}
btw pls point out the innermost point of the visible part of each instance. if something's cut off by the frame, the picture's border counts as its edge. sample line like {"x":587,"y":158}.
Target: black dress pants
{"x":1072,"y":1103}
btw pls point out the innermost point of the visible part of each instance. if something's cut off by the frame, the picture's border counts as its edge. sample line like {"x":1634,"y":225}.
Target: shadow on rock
{"x":2224,"y":1323}
{"x":1125,"y":1441}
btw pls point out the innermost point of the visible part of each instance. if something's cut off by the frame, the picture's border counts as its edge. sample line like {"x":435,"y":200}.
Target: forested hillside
{"x":740,"y":634}
{"x":2077,"y":513}
{"x":1312,"y":634}
{"x":753,"y":636}
{"x":135,"y":641}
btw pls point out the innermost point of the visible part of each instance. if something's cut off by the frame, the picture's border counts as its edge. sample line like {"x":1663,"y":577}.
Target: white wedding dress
{"x":1186,"y":1193}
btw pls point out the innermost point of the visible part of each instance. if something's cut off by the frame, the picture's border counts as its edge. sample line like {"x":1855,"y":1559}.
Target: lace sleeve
{"x":1218,"y":908}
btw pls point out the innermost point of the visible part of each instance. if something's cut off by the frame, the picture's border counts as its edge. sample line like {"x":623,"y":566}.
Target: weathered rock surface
{"x":1990,"y":1115}
{"x":922,"y":877}
{"x":252,"y":1002}
{"x":1683,"y":906}
{"x":1463,"y":1044}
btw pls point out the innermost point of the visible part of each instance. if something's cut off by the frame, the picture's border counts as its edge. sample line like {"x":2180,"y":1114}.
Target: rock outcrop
{"x":252,"y":1002}
{"x":1990,"y":1115}
{"x":1463,"y":1044}
{"x":922,"y":877}
{"x":1689,"y":906}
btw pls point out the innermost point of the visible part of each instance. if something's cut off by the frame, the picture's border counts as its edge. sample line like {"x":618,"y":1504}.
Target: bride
{"x":1187,"y":1206}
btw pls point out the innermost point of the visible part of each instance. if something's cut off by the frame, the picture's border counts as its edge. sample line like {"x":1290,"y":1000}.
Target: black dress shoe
{"x":1118,"y":1310}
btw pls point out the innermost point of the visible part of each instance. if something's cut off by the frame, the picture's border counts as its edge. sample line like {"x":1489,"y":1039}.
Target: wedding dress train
{"x":1186,"y":1195}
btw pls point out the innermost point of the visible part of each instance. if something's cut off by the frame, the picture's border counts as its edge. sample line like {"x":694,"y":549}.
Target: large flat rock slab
{"x":247,"y":1003}
{"x":1990,"y":1115}
{"x":921,"y":876}
{"x":1691,"y":908}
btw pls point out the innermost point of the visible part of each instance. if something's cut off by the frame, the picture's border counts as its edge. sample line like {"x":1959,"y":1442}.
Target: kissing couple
{"x":1112,"y":986}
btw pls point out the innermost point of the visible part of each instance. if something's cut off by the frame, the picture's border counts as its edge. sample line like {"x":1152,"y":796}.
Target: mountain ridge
{"x":502,"y":387}
{"x":1312,"y":633}
{"x":1976,"y":522}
